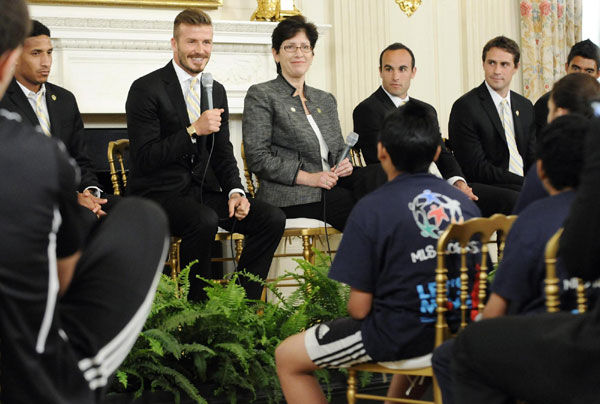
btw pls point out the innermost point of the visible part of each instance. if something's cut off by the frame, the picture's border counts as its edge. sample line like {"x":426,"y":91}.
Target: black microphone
{"x":351,"y":140}
{"x":207,"y":83}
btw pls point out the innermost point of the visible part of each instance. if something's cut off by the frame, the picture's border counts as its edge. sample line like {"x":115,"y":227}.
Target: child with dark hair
{"x":518,"y":287}
{"x":387,"y":257}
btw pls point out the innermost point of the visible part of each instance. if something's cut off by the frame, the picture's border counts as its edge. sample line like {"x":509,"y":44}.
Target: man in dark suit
{"x":54,"y":110}
{"x":492,"y":129}
{"x":182,"y":158}
{"x":584,"y":57}
{"x":397,"y":69}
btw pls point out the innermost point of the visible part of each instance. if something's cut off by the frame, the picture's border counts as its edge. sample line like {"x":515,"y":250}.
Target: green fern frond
{"x":239,"y":351}
{"x":161,"y":341}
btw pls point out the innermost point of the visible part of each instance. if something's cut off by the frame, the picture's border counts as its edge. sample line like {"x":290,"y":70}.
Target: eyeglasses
{"x":294,"y":48}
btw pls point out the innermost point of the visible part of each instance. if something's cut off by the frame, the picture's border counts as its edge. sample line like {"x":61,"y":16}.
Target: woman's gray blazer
{"x":279,"y":141}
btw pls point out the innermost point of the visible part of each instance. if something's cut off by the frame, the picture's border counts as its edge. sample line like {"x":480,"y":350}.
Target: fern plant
{"x":228,"y":341}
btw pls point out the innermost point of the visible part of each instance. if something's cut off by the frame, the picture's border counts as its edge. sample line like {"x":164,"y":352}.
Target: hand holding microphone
{"x":210,"y":120}
{"x":344,"y":168}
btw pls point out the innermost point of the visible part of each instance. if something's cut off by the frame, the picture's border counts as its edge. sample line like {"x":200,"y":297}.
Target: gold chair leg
{"x":306,"y":248}
{"x":239,"y":247}
{"x":351,"y":392}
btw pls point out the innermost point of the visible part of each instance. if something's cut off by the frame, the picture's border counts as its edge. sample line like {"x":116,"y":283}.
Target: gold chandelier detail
{"x":408,"y":6}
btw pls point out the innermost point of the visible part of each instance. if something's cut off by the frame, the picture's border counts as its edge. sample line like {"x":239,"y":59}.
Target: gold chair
{"x":309,"y":230}
{"x":118,"y":178}
{"x":552,"y":281}
{"x":462,"y":234}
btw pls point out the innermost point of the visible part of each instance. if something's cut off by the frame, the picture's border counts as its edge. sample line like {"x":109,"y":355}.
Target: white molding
{"x":97,"y":58}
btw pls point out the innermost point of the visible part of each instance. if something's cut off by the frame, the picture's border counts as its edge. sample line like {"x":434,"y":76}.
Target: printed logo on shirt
{"x":432,"y":210}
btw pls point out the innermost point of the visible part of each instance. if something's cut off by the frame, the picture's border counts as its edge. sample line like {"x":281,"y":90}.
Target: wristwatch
{"x":191,"y":131}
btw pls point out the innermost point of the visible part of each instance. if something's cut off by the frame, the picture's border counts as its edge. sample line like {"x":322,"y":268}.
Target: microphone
{"x":207,"y":83}
{"x":351,"y":140}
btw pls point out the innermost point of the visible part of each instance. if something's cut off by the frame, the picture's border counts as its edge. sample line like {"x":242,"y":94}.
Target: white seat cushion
{"x":412,"y":363}
{"x":304,"y":223}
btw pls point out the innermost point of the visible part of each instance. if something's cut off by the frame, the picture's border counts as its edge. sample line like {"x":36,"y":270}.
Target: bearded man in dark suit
{"x":182,"y":158}
{"x":54,"y":111}
{"x":397,"y":69}
{"x":492,"y":129}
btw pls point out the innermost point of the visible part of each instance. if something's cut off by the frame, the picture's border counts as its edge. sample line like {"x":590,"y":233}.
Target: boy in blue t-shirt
{"x":387,"y":256}
{"x":518,"y":287}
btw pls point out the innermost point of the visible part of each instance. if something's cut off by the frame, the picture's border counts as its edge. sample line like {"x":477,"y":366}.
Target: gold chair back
{"x":552,"y":287}
{"x":462,"y":234}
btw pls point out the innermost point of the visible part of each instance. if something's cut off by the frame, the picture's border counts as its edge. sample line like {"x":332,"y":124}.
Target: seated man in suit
{"x":492,"y":129}
{"x":584,"y":57}
{"x":397,"y":69}
{"x":70,"y":309}
{"x":182,"y":158}
{"x":54,"y":110}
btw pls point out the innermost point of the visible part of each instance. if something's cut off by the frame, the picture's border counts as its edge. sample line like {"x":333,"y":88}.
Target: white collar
{"x":182,"y":75}
{"x":497,"y":98}
{"x":395,"y":99}
{"x":28,"y":92}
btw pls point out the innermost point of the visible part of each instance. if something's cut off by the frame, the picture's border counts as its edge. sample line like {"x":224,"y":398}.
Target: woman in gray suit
{"x":292,"y":135}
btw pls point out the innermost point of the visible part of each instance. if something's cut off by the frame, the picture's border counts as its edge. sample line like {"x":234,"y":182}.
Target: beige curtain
{"x":548,"y":30}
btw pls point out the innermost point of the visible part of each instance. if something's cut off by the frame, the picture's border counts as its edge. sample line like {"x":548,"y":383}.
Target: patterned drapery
{"x":548,"y":30}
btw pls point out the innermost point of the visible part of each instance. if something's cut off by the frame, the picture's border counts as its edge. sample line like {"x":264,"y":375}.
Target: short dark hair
{"x":504,"y":43}
{"x":397,"y":46}
{"x":288,"y":28}
{"x":587,"y":50}
{"x":14,"y":24}
{"x":190,"y":16}
{"x":574,"y":92}
{"x":411,"y":135}
{"x":37,"y":29}
{"x":561,"y":150}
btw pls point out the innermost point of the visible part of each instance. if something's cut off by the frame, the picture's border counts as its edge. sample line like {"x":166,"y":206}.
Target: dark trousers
{"x":548,"y":358}
{"x":99,"y":317}
{"x":196,"y":220}
{"x":441,"y":362}
{"x":495,"y":198}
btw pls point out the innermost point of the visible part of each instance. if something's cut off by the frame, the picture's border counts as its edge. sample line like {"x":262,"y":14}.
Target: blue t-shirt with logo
{"x":521,"y":273}
{"x":389,"y":249}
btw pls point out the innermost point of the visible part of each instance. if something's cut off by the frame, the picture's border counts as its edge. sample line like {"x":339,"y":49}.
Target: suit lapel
{"x":18,"y":98}
{"x":385,"y":100}
{"x":175,"y":94}
{"x":490,"y":109}
{"x":52,"y":105}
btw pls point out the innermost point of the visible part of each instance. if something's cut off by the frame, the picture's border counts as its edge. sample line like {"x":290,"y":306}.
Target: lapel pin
{"x":53,"y":97}
{"x":319,"y":110}
{"x":293,"y":109}
{"x":517,"y":112}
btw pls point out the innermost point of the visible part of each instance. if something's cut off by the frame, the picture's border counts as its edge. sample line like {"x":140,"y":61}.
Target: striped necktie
{"x":192,"y":101}
{"x":515,"y":162}
{"x":41,"y":114}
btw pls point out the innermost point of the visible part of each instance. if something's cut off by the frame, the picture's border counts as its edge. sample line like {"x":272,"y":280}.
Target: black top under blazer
{"x":65,"y":124}
{"x":279,"y":141}
{"x":163,"y":158}
{"x":368,"y":117}
{"x":478,"y":140}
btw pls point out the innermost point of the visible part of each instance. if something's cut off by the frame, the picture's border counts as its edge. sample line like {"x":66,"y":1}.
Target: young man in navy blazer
{"x":182,"y":158}
{"x":492,"y":129}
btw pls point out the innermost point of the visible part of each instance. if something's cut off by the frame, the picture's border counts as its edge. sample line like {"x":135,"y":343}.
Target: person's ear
{"x":437,"y":153}
{"x":539,"y":166}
